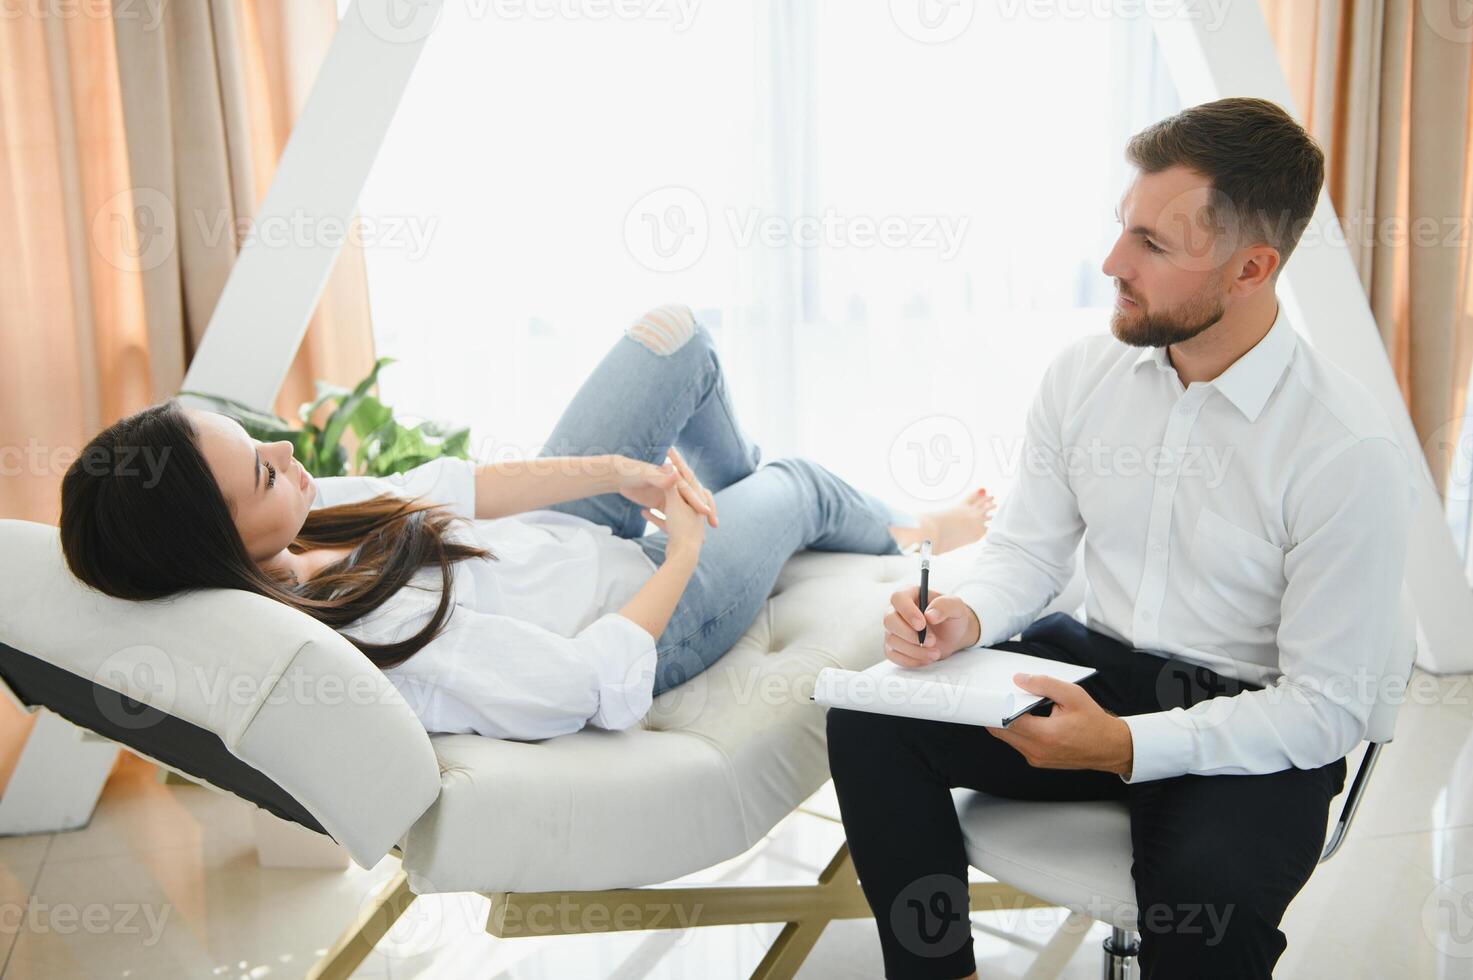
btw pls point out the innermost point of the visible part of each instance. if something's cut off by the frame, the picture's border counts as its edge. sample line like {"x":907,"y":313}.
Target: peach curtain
{"x":135,"y":148}
{"x":1385,"y":86}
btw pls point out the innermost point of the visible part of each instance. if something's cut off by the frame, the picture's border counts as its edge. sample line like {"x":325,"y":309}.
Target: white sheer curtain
{"x":890,"y":236}
{"x":1458,"y":499}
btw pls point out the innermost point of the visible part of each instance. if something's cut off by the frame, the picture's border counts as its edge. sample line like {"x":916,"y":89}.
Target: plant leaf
{"x":370,"y":417}
{"x":385,"y":445}
{"x":332,"y":432}
{"x":325,"y":392}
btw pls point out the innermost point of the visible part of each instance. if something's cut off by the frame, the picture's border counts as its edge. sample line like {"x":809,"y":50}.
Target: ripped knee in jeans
{"x":665,"y":329}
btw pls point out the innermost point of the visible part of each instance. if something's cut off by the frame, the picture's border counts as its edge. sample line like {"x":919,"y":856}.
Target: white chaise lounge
{"x":288,"y":715}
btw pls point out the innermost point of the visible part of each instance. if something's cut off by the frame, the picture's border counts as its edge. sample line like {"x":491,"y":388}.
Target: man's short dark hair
{"x":1265,"y":169}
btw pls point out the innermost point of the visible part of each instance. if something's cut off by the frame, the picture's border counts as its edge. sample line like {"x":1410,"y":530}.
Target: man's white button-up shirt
{"x":1255,"y":524}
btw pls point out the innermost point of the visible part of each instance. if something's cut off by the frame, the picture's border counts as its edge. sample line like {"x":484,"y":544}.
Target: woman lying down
{"x":516,"y":600}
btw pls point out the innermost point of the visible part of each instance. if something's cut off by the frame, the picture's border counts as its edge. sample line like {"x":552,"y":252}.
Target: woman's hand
{"x":682,"y":522}
{"x":655,"y":602}
{"x":646,"y":484}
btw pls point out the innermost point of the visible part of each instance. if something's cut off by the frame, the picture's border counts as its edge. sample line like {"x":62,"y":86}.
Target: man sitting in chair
{"x":1245,"y":509}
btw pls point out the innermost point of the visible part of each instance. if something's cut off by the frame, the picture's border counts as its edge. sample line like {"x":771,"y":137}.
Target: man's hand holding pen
{"x":1077,"y":733}
{"x":949,"y":623}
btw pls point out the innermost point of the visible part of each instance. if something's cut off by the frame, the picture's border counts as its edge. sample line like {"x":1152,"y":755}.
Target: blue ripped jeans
{"x":639,"y":403}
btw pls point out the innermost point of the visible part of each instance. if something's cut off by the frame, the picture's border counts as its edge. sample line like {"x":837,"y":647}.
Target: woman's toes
{"x":960,"y":525}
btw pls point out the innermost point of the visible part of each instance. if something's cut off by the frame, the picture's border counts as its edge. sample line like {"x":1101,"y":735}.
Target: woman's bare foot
{"x":953,"y":527}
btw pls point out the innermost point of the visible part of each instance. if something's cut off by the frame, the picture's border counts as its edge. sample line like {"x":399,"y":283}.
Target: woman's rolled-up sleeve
{"x":508,"y":678}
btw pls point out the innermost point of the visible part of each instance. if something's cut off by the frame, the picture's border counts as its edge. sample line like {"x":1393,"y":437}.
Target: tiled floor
{"x":165,"y":883}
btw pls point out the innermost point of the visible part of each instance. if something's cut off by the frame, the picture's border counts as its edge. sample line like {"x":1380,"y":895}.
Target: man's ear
{"x":1256,"y":267}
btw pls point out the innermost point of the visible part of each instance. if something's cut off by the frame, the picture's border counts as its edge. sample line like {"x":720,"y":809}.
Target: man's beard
{"x":1169,"y":327}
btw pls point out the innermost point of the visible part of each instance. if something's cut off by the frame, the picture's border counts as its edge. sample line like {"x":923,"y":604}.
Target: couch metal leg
{"x":804,"y":909}
{"x":1121,"y":949}
{"x":373,"y":923}
{"x":795,"y":942}
{"x":788,"y":951}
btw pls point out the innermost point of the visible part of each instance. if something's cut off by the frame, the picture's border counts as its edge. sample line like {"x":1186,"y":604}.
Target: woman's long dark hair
{"x":142,"y":517}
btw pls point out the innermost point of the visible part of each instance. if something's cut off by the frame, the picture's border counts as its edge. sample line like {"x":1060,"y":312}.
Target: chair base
{"x":803,"y":908}
{"x":1121,"y":949}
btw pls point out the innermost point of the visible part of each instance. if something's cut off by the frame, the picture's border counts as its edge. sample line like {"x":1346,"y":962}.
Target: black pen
{"x":925,"y":583}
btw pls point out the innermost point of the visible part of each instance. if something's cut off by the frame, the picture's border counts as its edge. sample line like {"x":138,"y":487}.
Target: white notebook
{"x":972,"y":687}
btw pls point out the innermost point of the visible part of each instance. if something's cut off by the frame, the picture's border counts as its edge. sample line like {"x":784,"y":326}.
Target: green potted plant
{"x":385,"y":445}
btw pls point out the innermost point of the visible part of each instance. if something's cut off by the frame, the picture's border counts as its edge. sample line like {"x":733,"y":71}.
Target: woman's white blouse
{"x":534,"y":646}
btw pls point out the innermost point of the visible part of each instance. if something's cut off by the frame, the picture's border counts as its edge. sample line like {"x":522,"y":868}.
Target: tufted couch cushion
{"x":717,"y":763}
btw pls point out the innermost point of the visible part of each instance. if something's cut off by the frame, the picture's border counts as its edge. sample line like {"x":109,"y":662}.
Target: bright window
{"x":889,"y":231}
